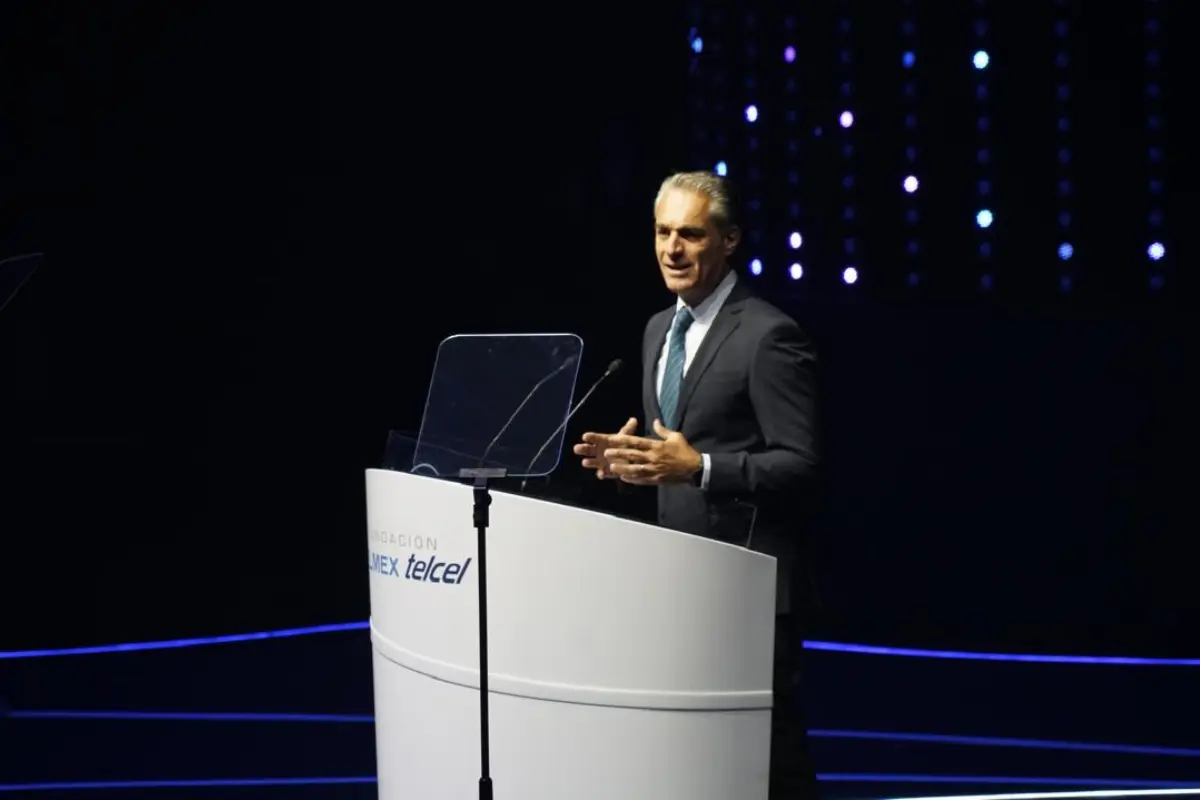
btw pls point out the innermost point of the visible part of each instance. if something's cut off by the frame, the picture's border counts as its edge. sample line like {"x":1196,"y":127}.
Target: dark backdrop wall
{"x":259,"y":225}
{"x":1006,"y":388}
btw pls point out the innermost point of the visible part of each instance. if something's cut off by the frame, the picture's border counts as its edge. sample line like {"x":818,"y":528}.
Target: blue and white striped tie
{"x":668,"y":399}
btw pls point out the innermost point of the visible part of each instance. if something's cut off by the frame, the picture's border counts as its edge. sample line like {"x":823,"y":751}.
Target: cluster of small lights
{"x":698,"y":71}
{"x":910,"y":184}
{"x":710,"y":78}
{"x":1062,"y":61}
{"x":792,"y":158}
{"x":1156,"y":250}
{"x":730,"y":99}
{"x":846,"y":123}
{"x":752,"y":180}
{"x":981,"y":60}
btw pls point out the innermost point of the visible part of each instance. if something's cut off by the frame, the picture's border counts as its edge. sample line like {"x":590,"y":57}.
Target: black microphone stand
{"x":480,"y":476}
{"x":483,"y":498}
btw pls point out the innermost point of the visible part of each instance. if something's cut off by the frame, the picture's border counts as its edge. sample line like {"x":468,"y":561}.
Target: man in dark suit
{"x":729,"y":398}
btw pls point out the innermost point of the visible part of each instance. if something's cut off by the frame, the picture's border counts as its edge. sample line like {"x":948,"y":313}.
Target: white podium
{"x":627,"y":661}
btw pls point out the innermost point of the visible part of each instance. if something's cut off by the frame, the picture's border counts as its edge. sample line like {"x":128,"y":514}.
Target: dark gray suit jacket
{"x":748,"y":401}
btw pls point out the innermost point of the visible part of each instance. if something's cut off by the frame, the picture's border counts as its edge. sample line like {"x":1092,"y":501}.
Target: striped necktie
{"x":672,"y":382}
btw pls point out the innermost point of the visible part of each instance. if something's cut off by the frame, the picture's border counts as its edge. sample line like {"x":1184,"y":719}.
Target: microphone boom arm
{"x":613,"y":368}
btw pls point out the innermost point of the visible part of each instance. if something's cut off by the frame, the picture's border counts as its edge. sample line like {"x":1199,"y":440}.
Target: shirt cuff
{"x":706,"y":473}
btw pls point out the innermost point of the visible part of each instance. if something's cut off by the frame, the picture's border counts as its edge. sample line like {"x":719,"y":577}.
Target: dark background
{"x":258,"y":223}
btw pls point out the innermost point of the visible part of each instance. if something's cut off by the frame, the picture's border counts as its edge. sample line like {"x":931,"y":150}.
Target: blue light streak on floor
{"x":815,"y":733}
{"x":843,"y":777}
{"x":835,"y":647}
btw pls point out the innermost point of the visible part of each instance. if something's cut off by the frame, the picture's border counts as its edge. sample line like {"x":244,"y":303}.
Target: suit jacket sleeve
{"x":783,"y":394}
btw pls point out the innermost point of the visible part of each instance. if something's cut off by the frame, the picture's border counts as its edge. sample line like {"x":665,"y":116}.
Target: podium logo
{"x":429,"y":570}
{"x":379,"y":536}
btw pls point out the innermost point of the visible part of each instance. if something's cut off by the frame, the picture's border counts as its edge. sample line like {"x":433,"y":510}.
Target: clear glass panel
{"x":498,"y":402}
{"x":14,"y":273}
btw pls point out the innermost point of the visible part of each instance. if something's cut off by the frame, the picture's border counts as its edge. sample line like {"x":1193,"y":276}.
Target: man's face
{"x":692,"y":253}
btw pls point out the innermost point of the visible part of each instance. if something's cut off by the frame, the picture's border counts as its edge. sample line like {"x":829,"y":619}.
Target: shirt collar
{"x":707,"y":310}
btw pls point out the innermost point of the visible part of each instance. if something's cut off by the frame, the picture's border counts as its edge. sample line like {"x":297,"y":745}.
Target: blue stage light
{"x":1123,"y":788}
{"x":837,"y":647}
{"x":214,"y":783}
{"x":172,"y":644}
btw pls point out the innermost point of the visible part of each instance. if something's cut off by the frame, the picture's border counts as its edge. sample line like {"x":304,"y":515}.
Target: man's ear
{"x":733,"y":237}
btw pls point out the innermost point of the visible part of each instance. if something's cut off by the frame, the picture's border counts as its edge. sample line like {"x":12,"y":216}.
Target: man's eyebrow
{"x":682,"y":228}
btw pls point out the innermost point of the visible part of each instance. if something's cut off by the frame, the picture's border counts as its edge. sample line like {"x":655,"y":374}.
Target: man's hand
{"x":594,"y":444}
{"x":647,"y":462}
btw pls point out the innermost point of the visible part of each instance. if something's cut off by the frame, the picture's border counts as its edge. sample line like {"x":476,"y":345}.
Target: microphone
{"x":614,"y":367}
{"x":570,"y":360}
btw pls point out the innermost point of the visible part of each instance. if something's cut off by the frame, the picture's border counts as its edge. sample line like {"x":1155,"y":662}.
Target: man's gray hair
{"x":722,"y":206}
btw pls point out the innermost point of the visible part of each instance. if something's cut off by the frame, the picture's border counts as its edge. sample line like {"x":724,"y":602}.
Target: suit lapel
{"x":658,"y":336}
{"x":727,"y":321}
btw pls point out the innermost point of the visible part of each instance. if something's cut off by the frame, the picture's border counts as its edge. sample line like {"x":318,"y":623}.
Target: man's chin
{"x":679,"y":282}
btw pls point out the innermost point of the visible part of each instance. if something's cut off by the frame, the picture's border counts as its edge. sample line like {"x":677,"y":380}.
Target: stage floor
{"x":290,"y":716}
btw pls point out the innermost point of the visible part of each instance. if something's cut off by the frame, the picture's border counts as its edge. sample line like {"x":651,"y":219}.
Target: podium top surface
{"x":583,"y":606}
